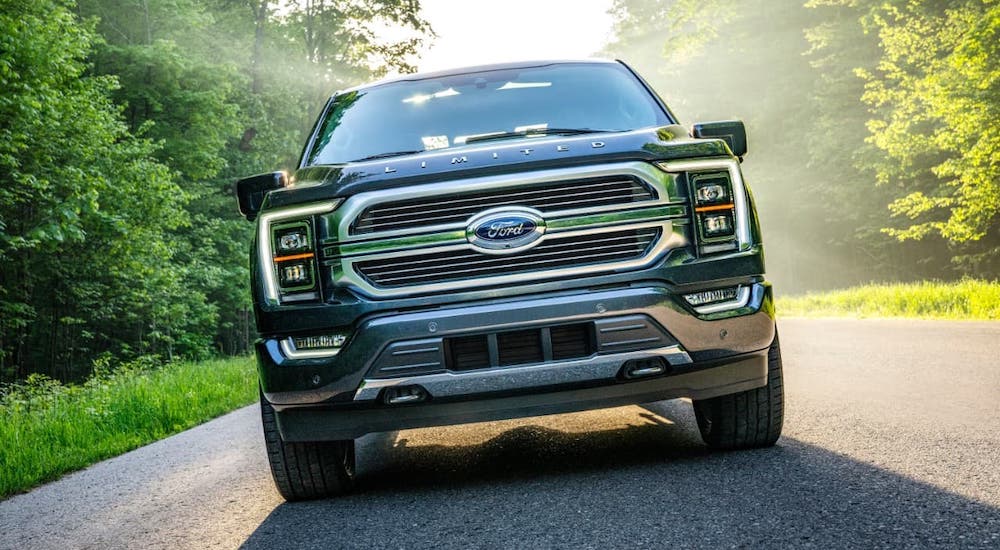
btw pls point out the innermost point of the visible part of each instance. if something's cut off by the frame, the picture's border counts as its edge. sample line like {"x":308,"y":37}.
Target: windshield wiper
{"x":537,"y":132}
{"x":387,"y":155}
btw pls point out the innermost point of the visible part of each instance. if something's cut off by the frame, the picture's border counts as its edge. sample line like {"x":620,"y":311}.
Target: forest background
{"x":875,"y":146}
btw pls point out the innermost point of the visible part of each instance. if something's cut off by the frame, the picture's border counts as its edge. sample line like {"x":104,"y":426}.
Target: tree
{"x":935,"y":94}
{"x":791,"y":71}
{"x":123,"y":125}
{"x":86,"y":213}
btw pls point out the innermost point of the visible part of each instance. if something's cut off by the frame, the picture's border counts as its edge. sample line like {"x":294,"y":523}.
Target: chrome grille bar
{"x":457,"y":207}
{"x":509,"y":194}
{"x":540,"y":251}
{"x":579,"y":250}
{"x":433,"y":213}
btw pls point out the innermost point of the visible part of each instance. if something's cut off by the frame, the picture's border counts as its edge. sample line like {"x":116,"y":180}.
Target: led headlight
{"x":292,"y":238}
{"x":712,"y":188}
{"x":287,"y":251}
{"x":292,"y":241}
{"x":715,"y":225}
{"x":293,"y":255}
{"x":719,"y":201}
{"x":711,"y":193}
{"x":294,"y":274}
{"x":715,"y":210}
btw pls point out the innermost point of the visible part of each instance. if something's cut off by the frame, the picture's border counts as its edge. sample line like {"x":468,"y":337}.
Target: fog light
{"x":313,"y":347}
{"x":712,"y":296}
{"x":319,"y":342}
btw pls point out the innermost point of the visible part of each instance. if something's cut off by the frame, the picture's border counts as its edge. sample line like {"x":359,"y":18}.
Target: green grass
{"x":968,"y":299}
{"x":48,"y":429}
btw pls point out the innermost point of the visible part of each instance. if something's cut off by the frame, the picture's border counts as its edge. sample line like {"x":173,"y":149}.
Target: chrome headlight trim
{"x":264,"y":250}
{"x":739,"y":189}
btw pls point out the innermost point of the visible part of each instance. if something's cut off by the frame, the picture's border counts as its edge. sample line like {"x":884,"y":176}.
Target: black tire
{"x":311,"y":470}
{"x":748,"y":419}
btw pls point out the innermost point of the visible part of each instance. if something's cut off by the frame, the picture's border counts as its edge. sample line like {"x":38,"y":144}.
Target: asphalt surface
{"x":891,"y":439}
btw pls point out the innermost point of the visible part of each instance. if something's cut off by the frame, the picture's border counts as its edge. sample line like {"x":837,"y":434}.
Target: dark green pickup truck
{"x":504,"y":241}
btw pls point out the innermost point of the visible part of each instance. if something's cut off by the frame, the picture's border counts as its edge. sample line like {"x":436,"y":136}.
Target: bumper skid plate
{"x":331,"y":422}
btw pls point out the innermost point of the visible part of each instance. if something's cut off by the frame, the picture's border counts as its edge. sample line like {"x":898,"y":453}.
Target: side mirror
{"x":250,"y":191}
{"x":732,"y":131}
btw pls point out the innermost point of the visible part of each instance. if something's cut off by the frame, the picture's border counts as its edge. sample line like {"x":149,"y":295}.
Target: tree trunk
{"x":261,"y":10}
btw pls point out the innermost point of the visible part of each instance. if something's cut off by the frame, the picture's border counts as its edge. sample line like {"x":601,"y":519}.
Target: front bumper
{"x":331,"y":422}
{"x":706,"y":355}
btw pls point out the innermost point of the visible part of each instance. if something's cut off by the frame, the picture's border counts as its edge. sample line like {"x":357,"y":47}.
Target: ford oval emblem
{"x":505,"y":230}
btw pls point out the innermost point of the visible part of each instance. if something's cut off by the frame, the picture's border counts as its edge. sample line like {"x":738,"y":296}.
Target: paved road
{"x":892,"y":439}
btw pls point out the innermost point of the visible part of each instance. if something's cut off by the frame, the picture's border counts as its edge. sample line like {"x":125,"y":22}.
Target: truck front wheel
{"x":748,"y":419}
{"x":307,"y":470}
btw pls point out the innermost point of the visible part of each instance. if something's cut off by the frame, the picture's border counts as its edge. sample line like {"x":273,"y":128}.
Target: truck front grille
{"x":459,"y":207}
{"x":415,"y":240}
{"x":554,"y":253}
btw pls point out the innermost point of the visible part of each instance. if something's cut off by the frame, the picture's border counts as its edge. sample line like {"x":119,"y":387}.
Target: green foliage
{"x":49,"y":428}
{"x":936,"y":99}
{"x":752,"y":60}
{"x":122,"y":127}
{"x":966,"y":299}
{"x":182,"y":102}
{"x":858,"y":111}
{"x":229,"y":89}
{"x":86,"y":212}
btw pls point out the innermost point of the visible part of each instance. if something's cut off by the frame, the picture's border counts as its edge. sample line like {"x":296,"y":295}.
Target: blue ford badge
{"x":505,"y":230}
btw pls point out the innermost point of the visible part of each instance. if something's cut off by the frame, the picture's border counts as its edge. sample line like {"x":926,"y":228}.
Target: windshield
{"x":438,"y":113}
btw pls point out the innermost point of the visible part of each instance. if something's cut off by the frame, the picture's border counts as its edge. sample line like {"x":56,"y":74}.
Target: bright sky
{"x":474,"y":32}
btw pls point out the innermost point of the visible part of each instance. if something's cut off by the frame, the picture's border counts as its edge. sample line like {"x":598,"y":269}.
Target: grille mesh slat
{"x":540,"y":252}
{"x":390,"y":281}
{"x":575,"y":251}
{"x":469,"y":352}
{"x":447,"y":215}
{"x":389,"y":212}
{"x":459,"y":207}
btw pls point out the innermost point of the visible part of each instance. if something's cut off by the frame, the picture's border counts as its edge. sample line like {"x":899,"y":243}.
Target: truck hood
{"x":489,"y":158}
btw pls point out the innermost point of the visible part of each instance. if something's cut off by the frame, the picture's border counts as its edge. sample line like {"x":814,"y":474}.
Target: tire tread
{"x":306,"y":470}
{"x":749,"y":419}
